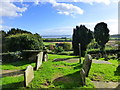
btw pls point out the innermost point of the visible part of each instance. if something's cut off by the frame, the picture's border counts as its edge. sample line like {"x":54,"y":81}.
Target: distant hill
{"x":115,"y":36}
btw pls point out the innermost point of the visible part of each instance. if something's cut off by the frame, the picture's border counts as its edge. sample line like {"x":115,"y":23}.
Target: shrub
{"x":67,"y":46}
{"x":20,"y":42}
{"x":59,"y":49}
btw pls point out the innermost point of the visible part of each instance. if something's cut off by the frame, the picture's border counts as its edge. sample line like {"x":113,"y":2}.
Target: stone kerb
{"x":87,"y":64}
{"x":39,"y":60}
{"x":28,"y":75}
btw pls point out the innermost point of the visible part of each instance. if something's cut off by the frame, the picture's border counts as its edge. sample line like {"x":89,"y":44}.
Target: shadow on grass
{"x":68,"y":81}
{"x":117,"y":72}
{"x":13,"y":86}
{"x":14,"y":73}
{"x":19,"y":63}
{"x":63,"y":59}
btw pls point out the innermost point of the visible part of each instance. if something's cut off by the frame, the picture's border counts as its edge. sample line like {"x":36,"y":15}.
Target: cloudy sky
{"x":57,"y":17}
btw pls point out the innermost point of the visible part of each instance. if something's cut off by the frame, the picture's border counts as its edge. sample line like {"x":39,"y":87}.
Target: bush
{"x":11,"y":56}
{"x":59,"y":49}
{"x":65,"y":46}
{"x":20,"y":42}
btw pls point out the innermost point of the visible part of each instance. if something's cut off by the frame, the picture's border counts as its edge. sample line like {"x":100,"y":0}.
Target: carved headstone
{"x":82,"y":77}
{"x":87,"y":64}
{"x":45,"y":57}
{"x":28,"y":75}
{"x":39,"y":60}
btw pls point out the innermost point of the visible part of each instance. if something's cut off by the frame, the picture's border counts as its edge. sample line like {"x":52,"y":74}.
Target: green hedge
{"x":21,"y":42}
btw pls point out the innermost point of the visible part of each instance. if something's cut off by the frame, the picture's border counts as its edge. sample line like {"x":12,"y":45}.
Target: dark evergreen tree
{"x":101,"y":34}
{"x":83,"y":36}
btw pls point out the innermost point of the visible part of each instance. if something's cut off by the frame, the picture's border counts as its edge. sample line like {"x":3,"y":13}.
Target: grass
{"x":18,"y":65}
{"x":61,"y":74}
{"x":105,"y":72}
{"x":48,"y":43}
{"x":52,"y":74}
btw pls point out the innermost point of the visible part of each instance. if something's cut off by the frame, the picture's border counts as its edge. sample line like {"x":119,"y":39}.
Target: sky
{"x":57,"y":17}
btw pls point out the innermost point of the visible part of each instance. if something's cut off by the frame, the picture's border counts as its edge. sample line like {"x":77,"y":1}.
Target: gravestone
{"x":28,"y":75}
{"x":82,"y":77}
{"x":87,"y":64}
{"x":45,"y":56}
{"x":39,"y":60}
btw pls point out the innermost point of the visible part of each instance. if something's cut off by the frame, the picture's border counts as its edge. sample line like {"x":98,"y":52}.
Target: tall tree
{"x":101,"y":34}
{"x":83,"y":36}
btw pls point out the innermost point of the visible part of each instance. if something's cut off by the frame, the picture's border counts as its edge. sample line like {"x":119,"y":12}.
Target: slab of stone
{"x":87,"y":64}
{"x":82,"y":77}
{"x":101,"y":62}
{"x":45,"y":57}
{"x":28,"y":75}
{"x":39,"y":60}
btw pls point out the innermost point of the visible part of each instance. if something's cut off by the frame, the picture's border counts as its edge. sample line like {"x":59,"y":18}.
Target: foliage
{"x":101,"y":34}
{"x":20,"y":42}
{"x":83,"y":36}
{"x":14,"y":31}
{"x":58,"y":49}
{"x":65,"y":46}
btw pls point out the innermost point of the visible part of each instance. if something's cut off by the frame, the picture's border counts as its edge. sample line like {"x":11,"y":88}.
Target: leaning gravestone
{"x":28,"y":75}
{"x":39,"y":60}
{"x":45,"y":57}
{"x":87,"y":64}
{"x":82,"y":77}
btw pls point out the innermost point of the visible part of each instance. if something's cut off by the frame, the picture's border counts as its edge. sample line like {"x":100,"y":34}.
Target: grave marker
{"x":28,"y":75}
{"x":45,"y":56}
{"x":82,"y":77}
{"x":87,"y":64}
{"x":39,"y":60}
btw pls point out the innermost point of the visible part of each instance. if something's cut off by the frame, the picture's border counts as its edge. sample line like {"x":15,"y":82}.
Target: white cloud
{"x":67,"y":9}
{"x":10,"y":9}
{"x":63,"y":8}
{"x":112,"y":25}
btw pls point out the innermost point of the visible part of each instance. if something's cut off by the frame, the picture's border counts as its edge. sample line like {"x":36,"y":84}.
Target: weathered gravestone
{"x":28,"y":75}
{"x":82,"y":77}
{"x":45,"y":56}
{"x":87,"y":64}
{"x":39,"y":60}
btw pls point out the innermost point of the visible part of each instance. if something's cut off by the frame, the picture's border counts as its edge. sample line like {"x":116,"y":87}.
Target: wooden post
{"x":79,"y":53}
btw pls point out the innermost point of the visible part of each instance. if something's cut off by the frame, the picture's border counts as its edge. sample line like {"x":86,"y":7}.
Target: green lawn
{"x":60,"y":74}
{"x":105,"y":72}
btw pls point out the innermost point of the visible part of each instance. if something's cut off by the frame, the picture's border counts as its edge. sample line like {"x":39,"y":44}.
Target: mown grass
{"x":52,"y":74}
{"x":105,"y":72}
{"x":48,"y":43}
{"x":18,"y":65}
{"x":59,"y":74}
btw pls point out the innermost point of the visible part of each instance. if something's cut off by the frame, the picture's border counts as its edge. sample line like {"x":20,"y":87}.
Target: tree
{"x":101,"y":34}
{"x":14,"y":31}
{"x":20,"y":42}
{"x":83,"y":36}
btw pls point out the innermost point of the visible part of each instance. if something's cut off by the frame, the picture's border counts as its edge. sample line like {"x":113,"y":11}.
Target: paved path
{"x":101,"y":62}
{"x":101,"y":84}
{"x":5,"y":73}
